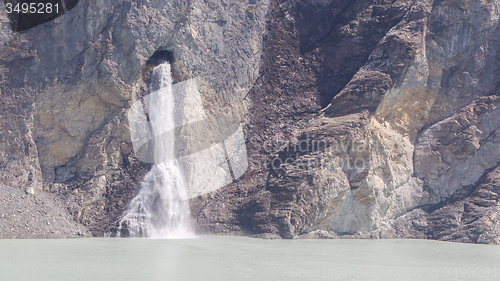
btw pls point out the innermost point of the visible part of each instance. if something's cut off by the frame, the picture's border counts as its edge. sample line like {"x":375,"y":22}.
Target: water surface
{"x":238,"y":258}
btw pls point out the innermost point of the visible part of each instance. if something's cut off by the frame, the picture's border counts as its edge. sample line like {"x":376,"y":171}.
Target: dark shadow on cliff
{"x":340,"y":37}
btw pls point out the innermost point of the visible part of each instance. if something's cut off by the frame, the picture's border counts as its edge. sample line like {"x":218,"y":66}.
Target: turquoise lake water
{"x":238,"y":258}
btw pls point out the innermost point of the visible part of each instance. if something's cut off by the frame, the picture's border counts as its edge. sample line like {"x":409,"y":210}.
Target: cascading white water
{"x":161,"y":209}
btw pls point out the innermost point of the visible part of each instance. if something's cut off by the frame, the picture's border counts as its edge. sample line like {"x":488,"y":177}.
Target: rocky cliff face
{"x":67,"y":86}
{"x":388,"y":156}
{"x":368,"y":118}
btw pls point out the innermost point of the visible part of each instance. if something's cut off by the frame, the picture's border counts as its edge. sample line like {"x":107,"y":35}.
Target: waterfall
{"x":161,"y":209}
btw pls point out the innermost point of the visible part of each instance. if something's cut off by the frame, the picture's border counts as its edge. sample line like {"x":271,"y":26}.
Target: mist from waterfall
{"x":161,"y":209}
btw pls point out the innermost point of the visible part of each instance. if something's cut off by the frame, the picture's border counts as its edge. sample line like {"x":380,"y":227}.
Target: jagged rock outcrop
{"x":409,"y":118}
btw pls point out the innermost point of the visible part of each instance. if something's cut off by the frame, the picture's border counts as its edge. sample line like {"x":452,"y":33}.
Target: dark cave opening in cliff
{"x":159,"y":57}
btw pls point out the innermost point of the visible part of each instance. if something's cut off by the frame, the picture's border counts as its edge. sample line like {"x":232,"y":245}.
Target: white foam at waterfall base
{"x":161,"y":209}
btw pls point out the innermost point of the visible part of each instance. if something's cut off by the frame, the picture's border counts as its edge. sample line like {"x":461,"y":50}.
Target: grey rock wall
{"x":67,"y":86}
{"x":364,"y":119}
{"x":413,"y":117}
